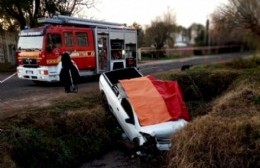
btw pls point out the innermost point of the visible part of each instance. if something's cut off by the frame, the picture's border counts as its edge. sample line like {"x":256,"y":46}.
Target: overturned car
{"x":149,"y":111}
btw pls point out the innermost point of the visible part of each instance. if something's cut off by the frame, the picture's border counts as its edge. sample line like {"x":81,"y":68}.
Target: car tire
{"x":136,"y":141}
{"x":39,"y":83}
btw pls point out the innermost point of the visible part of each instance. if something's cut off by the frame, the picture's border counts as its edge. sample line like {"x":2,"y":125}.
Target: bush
{"x":65,"y":135}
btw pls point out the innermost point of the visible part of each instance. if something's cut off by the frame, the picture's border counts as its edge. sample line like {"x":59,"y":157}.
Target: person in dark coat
{"x":68,"y":69}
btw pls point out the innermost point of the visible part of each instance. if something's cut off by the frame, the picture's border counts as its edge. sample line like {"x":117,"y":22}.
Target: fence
{"x":149,"y":52}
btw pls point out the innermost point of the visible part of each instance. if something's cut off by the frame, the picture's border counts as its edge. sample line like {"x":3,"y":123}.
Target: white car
{"x":117,"y":101}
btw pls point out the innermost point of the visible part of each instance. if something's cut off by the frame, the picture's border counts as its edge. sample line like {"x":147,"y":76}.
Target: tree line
{"x":237,"y":22}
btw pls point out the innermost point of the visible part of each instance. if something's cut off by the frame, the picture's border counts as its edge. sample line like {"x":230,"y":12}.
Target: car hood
{"x":165,"y":129}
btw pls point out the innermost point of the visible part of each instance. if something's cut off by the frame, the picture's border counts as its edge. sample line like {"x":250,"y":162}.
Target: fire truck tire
{"x":38,"y":82}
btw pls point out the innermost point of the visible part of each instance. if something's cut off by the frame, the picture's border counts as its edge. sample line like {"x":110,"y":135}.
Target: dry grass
{"x":241,"y":101}
{"x":217,"y":142}
{"x":229,"y":134}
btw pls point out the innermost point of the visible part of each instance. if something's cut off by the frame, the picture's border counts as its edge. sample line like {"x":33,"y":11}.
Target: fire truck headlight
{"x":44,"y":72}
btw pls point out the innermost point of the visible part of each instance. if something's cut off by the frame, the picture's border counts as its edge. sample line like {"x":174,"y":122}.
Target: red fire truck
{"x":94,"y":47}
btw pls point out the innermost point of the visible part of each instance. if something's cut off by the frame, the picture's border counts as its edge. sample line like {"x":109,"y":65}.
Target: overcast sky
{"x":144,"y":11}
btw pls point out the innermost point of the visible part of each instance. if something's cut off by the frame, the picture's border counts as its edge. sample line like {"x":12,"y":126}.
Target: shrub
{"x":65,"y":135}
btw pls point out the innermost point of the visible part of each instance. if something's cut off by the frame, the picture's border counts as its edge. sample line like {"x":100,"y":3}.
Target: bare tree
{"x":67,"y":7}
{"x":236,"y":23}
{"x":222,"y":32}
{"x":242,"y":14}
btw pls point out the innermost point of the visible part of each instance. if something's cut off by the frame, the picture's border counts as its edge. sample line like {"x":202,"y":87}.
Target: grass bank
{"x":225,"y":131}
{"x":64,"y":135}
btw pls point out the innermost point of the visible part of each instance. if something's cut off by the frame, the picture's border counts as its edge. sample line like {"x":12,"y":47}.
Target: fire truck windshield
{"x":30,"y":42}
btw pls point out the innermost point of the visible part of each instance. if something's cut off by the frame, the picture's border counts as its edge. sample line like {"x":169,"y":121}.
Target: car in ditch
{"x":148,"y":110}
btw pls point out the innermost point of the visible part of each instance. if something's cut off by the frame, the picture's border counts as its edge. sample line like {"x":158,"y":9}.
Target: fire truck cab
{"x":94,"y":47}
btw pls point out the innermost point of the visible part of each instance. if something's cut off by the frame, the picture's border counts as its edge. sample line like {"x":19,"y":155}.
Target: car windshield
{"x":30,"y":42}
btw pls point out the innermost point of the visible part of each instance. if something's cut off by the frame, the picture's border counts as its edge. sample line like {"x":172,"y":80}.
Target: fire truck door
{"x":103,"y":56}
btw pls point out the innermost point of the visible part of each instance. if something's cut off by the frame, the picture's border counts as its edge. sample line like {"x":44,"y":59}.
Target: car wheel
{"x":137,"y":144}
{"x":136,"y":141}
{"x":150,"y":146}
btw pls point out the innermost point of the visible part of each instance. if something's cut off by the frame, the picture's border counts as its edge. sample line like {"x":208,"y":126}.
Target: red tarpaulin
{"x":172,"y":95}
{"x":155,"y":101}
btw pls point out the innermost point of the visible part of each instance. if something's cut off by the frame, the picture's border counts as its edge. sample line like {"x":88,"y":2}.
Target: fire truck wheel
{"x":38,"y":82}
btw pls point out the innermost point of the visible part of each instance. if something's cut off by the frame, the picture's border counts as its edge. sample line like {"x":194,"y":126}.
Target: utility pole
{"x":207,"y":40}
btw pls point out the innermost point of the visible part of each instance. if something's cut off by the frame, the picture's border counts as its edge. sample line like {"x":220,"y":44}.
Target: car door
{"x":125,"y":112}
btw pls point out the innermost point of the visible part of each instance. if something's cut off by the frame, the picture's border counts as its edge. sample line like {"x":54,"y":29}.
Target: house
{"x":8,"y":42}
{"x":181,"y":40}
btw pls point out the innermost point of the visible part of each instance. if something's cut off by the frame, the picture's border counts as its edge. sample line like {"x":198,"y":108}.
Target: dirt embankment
{"x":34,"y":99}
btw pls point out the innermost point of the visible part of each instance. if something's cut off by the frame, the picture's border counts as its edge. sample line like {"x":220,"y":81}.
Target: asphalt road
{"x":165,"y":65}
{"x":15,"y":88}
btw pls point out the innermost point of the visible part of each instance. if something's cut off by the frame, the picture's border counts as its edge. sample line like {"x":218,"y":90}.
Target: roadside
{"x":31,"y":96}
{"x":184,"y":60}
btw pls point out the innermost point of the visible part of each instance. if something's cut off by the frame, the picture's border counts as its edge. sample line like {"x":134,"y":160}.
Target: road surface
{"x":165,"y":65}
